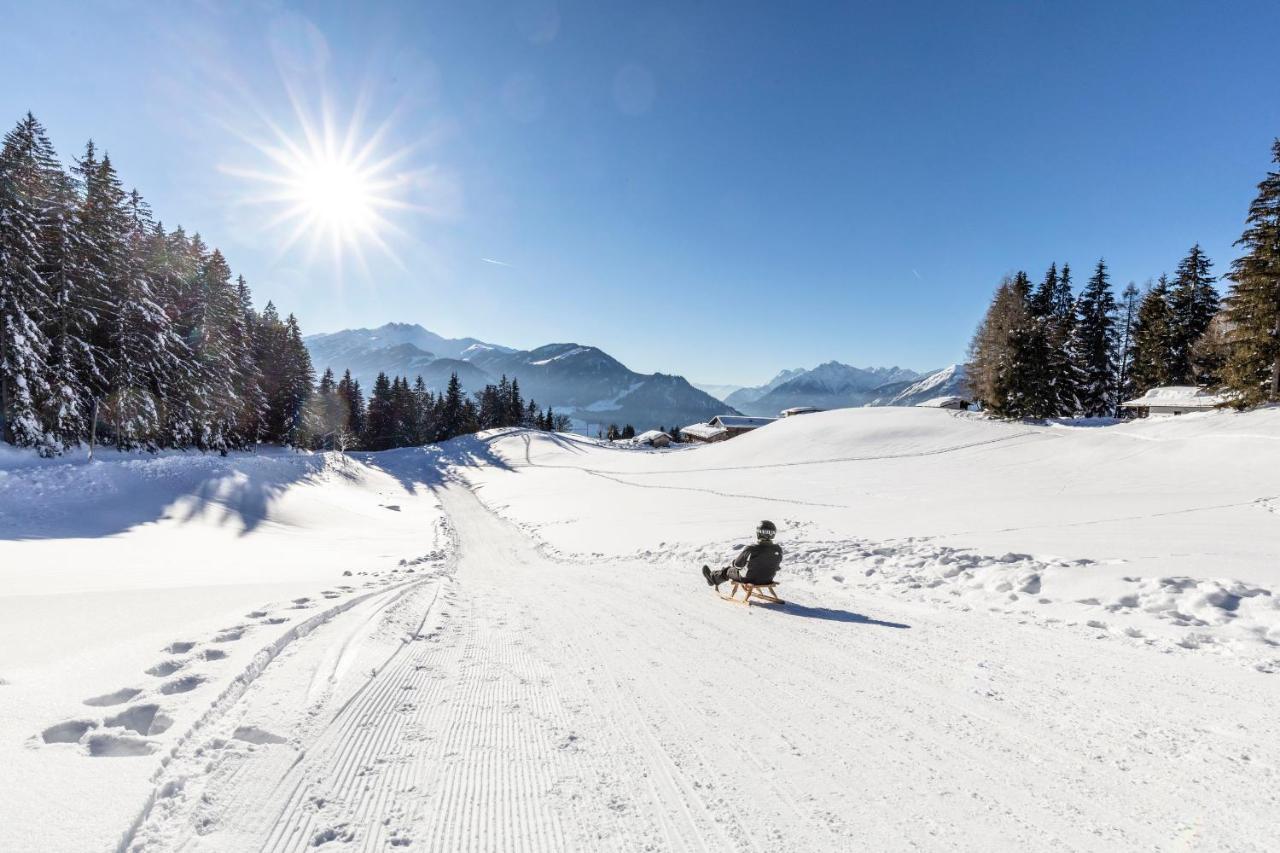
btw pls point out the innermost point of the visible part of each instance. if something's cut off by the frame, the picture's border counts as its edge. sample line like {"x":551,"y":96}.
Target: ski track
{"x":526,"y":703}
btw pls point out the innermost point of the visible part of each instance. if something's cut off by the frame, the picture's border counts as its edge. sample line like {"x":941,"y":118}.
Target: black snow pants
{"x":729,"y":573}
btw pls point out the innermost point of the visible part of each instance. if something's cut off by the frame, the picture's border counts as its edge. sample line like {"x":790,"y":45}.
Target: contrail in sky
{"x":495,"y":262}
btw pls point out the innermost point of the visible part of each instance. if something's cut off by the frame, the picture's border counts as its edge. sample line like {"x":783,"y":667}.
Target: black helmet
{"x":766,"y":530}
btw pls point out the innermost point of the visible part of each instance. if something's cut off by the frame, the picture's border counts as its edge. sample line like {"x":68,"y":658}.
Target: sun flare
{"x":331,"y":187}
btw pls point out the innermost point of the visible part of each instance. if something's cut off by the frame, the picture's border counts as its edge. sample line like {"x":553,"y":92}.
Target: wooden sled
{"x":763,"y":593}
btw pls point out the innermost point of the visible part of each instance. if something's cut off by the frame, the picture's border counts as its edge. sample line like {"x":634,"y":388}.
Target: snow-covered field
{"x":997,"y":636}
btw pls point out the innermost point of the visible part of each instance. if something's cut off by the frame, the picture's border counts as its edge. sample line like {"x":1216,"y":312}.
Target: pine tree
{"x":1129,"y":319}
{"x":24,"y":346}
{"x":141,"y":336}
{"x":254,"y":406}
{"x":1193,"y":302}
{"x":1152,"y":339}
{"x":219,"y":356}
{"x":1252,"y":369}
{"x":452,"y":418}
{"x":352,"y":397}
{"x":995,"y":373}
{"x":1210,"y":353}
{"x":65,"y":414}
{"x":1094,"y":346}
{"x":380,"y":424}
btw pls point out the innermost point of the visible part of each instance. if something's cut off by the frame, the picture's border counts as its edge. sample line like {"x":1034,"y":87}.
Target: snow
{"x":705,"y":432}
{"x":156,"y":582}
{"x":996,"y":635}
{"x":740,"y":421}
{"x":941,"y":402}
{"x":566,"y":354}
{"x":1178,"y":397}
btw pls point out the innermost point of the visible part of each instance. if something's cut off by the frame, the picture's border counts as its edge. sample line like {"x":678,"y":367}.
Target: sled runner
{"x":763,"y":593}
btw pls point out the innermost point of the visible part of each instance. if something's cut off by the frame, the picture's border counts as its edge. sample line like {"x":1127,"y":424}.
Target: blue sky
{"x":716,"y":189}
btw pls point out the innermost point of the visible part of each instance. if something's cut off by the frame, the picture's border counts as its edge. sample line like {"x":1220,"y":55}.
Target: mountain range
{"x":838,"y":386}
{"x":583,"y":382}
{"x":595,"y":389}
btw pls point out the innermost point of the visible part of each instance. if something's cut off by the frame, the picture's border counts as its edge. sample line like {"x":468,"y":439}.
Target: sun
{"x":330,"y":185}
{"x":334,"y":194}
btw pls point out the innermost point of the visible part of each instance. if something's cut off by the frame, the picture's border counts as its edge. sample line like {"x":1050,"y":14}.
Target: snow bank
{"x":137,"y":589}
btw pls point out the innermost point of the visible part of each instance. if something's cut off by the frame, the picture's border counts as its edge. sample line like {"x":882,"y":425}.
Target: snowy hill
{"x":286,"y":650}
{"x":583,"y":382}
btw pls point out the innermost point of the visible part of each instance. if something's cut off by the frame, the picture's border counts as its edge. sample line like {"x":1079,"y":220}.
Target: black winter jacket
{"x":761,"y":561}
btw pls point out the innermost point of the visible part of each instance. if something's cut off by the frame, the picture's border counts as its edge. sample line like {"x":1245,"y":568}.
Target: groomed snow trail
{"x":522,"y":703}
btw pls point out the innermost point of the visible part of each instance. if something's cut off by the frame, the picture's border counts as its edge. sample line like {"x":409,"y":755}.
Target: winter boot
{"x":706,"y":573}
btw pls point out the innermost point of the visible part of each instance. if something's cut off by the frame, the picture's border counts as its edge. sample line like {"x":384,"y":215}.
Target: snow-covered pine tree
{"x":24,"y":347}
{"x":298,"y":380}
{"x":1094,"y":344}
{"x":176,"y":262}
{"x":141,"y":338}
{"x":1193,"y":302}
{"x":97,"y":260}
{"x":253,"y":399}
{"x":1252,"y":369}
{"x":219,"y":355}
{"x":64,"y":409}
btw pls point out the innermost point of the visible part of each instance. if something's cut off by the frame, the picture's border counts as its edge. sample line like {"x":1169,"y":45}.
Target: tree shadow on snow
{"x":431,"y":466}
{"x":829,"y":615}
{"x":113,"y":494}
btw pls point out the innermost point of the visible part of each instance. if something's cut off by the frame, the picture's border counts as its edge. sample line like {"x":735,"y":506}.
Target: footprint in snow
{"x":212,"y":654}
{"x":119,"y":697}
{"x":333,"y":833}
{"x":253,"y":734}
{"x":230,"y":635}
{"x":119,"y":746}
{"x":182,"y":685}
{"x":277,"y":620}
{"x":166,"y":668}
{"x":69,"y":732}
{"x":180,"y":647}
{"x":141,"y":719}
{"x":255,"y":614}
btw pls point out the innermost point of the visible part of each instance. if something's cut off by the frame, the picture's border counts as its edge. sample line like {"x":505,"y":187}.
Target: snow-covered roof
{"x":649,"y":436}
{"x":1177,"y":397}
{"x":941,"y":402}
{"x":740,"y":421}
{"x":798,"y":410}
{"x":703,"y":431}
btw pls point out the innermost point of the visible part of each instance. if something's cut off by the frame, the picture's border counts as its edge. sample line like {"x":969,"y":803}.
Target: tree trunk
{"x":93,"y":426}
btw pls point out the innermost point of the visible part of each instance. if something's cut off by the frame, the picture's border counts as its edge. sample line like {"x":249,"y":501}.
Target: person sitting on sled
{"x":755,"y":564}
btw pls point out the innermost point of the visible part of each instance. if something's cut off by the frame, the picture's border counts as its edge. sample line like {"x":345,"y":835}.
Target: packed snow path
{"x":525,"y":703}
